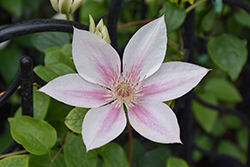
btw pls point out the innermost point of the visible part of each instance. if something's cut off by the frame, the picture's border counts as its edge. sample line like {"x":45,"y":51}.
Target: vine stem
{"x":134,"y":23}
{"x":194,"y":5}
{"x":15,"y":153}
{"x":130,"y":149}
{"x":53,"y":159}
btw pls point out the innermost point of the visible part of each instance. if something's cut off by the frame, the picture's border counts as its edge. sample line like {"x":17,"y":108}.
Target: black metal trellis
{"x":26,"y":76}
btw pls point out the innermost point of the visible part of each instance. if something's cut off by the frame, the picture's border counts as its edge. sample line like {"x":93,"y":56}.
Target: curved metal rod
{"x":239,"y":3}
{"x":10,"y":90}
{"x":41,"y":25}
{"x":224,"y":110}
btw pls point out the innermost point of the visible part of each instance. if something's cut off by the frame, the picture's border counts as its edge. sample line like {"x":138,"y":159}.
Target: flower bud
{"x":66,"y":6}
{"x":100,"y":30}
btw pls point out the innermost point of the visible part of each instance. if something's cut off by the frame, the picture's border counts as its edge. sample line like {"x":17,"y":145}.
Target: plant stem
{"x":194,"y":5}
{"x":134,"y":23}
{"x":52,"y":160}
{"x":15,"y":153}
{"x":130,"y":149}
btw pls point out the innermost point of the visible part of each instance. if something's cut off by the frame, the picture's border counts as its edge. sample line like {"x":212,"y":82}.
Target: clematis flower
{"x":142,"y":87}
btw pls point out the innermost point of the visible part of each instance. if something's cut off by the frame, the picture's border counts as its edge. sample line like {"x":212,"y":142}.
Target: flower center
{"x":123,"y":91}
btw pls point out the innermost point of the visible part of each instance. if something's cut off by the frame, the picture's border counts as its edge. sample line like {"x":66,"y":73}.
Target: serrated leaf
{"x":114,"y":156}
{"x":206,"y":117}
{"x":44,"y":40}
{"x":75,"y":154}
{"x":229,"y":53}
{"x":35,"y":135}
{"x":176,"y":162}
{"x":174,"y":16}
{"x":44,"y":160}
{"x":41,"y":104}
{"x":223,"y":90}
{"x":75,"y":118}
{"x":15,"y":161}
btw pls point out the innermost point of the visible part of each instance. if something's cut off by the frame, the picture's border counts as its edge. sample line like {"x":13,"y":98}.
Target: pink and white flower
{"x":142,"y":86}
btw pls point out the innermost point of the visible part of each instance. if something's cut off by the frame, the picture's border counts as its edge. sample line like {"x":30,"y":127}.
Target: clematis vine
{"x":142,"y":86}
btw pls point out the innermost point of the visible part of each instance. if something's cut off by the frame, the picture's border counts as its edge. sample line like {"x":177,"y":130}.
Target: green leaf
{"x":33,"y":5}
{"x":35,"y":135}
{"x":95,"y":8}
{"x":155,"y":158}
{"x":41,"y":104}
{"x":44,"y":40}
{"x":176,"y":162}
{"x":209,"y":20}
{"x":190,"y":1}
{"x":229,"y":53}
{"x":223,"y":90}
{"x":173,"y":55}
{"x":9,"y":63}
{"x":45,"y":73}
{"x":75,"y":153}
{"x":206,"y":117}
{"x":242,"y":137}
{"x":229,"y":148}
{"x":57,"y":111}
{"x":75,"y":118}
{"x":114,"y":156}
{"x":242,"y":17}
{"x":60,"y":69}
{"x":59,"y":55}
{"x":13,"y":6}
{"x":44,"y":160}
{"x":174,"y":16}
{"x":52,"y":71}
{"x":138,"y":150}
{"x":15,"y":161}
{"x":219,"y":128}
{"x":232,"y":121}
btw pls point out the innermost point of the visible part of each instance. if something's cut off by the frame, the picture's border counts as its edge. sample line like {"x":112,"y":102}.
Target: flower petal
{"x":173,"y":80}
{"x":101,"y":125}
{"x":73,"y":90}
{"x":156,"y":122}
{"x":95,"y":59}
{"x":146,"y":50}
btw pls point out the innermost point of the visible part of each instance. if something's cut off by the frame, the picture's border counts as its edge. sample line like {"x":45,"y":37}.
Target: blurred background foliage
{"x":220,"y":42}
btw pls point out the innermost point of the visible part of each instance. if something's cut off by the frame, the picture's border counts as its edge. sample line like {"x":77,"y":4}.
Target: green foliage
{"x":75,"y":153}
{"x":44,"y":40}
{"x":174,"y":16}
{"x":228,"y":148}
{"x":206,"y":117}
{"x":12,"y":6}
{"x":229,"y":53}
{"x":15,"y":161}
{"x":44,"y":160}
{"x":223,"y":90}
{"x":75,"y":118}
{"x":35,"y":135}
{"x":174,"y":162}
{"x":156,"y":158}
{"x":9,"y":63}
{"x":41,"y":104}
{"x":113,"y":155}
